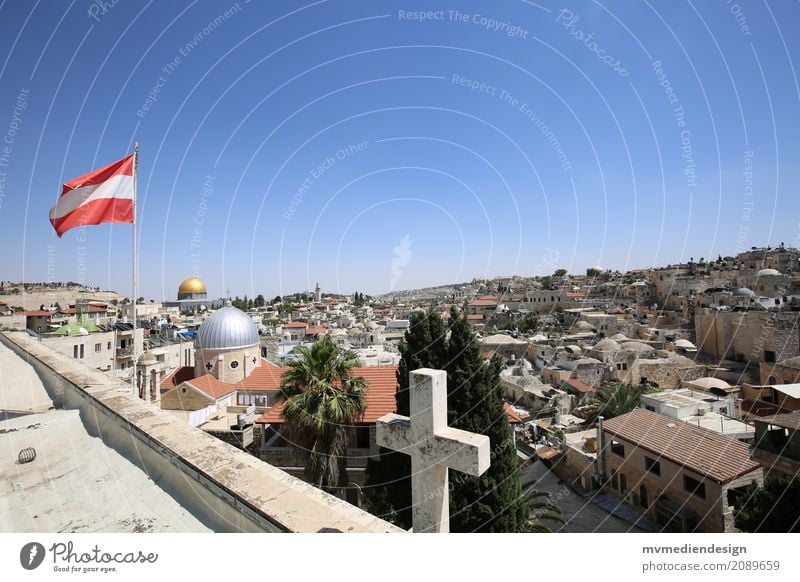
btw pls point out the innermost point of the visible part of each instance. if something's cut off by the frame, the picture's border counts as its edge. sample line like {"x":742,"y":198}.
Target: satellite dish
{"x":83,"y":331}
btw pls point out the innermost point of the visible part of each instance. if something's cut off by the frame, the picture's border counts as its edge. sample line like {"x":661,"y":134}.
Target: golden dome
{"x":192,"y":285}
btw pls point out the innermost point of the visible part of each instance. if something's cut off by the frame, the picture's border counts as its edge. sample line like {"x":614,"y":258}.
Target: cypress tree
{"x":388,"y":477}
{"x":493,"y":502}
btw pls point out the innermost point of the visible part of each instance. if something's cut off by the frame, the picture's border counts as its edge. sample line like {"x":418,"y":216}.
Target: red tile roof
{"x":513,"y":416}
{"x":178,"y":376}
{"x":297,"y":324}
{"x":89,"y":309}
{"x":381,"y":388}
{"x":316,"y":330}
{"x":266,"y":377}
{"x":703,"y":451}
{"x":475,"y":317}
{"x":212,"y":387}
{"x":38,"y":313}
{"x":578,"y":385}
{"x":486,"y":301}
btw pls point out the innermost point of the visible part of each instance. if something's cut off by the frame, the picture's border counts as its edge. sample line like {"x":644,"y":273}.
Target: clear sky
{"x":367,"y":147}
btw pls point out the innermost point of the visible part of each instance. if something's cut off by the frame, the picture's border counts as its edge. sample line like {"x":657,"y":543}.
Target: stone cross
{"x":434,"y":447}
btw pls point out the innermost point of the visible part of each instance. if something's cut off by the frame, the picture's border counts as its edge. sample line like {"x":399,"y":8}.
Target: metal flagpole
{"x":135,"y":183}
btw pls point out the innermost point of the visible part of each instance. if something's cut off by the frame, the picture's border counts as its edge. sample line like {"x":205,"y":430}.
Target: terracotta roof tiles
{"x":702,"y":451}
{"x":381,"y":389}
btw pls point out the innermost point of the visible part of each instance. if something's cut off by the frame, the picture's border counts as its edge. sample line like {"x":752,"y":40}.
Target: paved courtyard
{"x":580,"y":513}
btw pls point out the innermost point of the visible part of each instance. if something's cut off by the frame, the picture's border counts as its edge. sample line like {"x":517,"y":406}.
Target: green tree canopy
{"x":614,"y":400}
{"x":773,"y":508}
{"x":493,"y":502}
{"x":322,"y":400}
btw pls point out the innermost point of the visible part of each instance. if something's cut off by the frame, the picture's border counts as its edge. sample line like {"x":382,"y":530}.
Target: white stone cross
{"x":433,"y":447}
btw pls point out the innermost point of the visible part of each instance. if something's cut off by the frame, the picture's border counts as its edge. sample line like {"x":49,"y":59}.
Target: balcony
{"x":123,"y":353}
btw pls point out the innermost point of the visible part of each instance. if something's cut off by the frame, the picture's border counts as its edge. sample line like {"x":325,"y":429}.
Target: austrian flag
{"x":104,"y":195}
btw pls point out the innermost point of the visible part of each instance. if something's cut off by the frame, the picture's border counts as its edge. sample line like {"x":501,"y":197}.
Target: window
{"x":694,"y":486}
{"x":643,"y":499}
{"x":618,"y":448}
{"x":362,"y":437}
{"x":108,"y":346}
{"x":98,"y":347}
{"x":75,"y":351}
{"x":624,"y":365}
{"x":652,"y":466}
{"x":614,"y":479}
{"x":650,"y":408}
{"x":234,"y":364}
{"x":769,"y":357}
{"x":623,"y":483}
{"x":81,"y":351}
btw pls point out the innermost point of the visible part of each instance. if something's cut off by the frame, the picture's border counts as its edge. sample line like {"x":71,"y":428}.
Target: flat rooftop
{"x":76,"y":483}
{"x":256,"y":489}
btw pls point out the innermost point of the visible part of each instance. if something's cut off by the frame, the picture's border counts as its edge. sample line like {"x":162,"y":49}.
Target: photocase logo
{"x":31,"y":555}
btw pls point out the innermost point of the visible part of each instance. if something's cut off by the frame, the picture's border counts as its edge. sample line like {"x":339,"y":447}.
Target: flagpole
{"x":135,"y":184}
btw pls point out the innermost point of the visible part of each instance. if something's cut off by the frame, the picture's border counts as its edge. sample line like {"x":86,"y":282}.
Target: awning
{"x":791,"y":390}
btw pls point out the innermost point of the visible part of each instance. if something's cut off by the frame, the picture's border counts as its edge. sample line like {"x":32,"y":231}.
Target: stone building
{"x":745,"y":336}
{"x":777,"y":444}
{"x":784,"y":372}
{"x":654,"y":464}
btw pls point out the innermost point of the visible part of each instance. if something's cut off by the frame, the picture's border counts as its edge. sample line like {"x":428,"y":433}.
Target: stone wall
{"x":786,"y":331}
{"x":575,"y":468}
{"x":227,"y":489}
{"x":713,"y":513}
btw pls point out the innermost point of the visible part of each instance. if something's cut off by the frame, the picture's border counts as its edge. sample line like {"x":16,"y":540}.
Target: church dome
{"x":227,"y":328}
{"x":744,"y":292}
{"x":192,"y":285}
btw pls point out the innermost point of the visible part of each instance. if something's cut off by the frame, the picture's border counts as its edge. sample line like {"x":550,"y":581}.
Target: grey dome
{"x":606,"y":345}
{"x":767,"y":273}
{"x":227,"y":328}
{"x":744,"y":292}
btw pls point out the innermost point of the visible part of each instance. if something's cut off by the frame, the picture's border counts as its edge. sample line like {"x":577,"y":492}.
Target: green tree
{"x":560,"y":273}
{"x":322,"y":400}
{"x":259,"y":301}
{"x":388,"y":478}
{"x":592,"y":272}
{"x":772,"y":508}
{"x":614,"y":400}
{"x":493,"y":502}
{"x":542,"y":509}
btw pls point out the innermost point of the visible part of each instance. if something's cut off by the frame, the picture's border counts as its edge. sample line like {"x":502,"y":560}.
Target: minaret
{"x":318,"y":294}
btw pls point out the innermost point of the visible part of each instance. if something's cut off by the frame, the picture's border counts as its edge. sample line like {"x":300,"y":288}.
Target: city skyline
{"x":384,"y":147}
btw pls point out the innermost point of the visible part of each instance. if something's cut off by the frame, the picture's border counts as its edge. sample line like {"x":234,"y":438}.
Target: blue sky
{"x":360,"y":146}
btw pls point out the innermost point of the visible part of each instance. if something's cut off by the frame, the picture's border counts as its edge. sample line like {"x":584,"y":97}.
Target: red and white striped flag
{"x":104,"y":195}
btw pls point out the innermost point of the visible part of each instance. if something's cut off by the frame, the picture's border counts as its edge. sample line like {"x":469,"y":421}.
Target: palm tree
{"x":543,"y":510}
{"x":614,"y":400}
{"x":322,"y":399}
